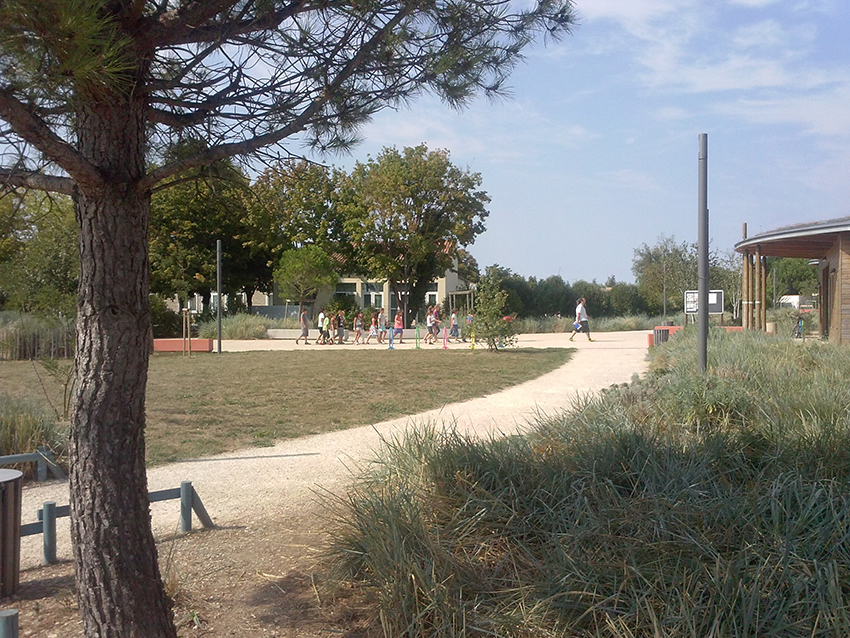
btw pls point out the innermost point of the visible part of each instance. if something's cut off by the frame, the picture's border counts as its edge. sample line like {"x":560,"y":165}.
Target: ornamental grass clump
{"x":28,"y":336}
{"x":24,"y":426}
{"x":680,"y":505}
{"x":238,"y":326}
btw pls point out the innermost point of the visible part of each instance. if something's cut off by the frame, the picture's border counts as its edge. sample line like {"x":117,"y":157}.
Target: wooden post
{"x":757,"y":296}
{"x":201,"y":511}
{"x":764,"y":293}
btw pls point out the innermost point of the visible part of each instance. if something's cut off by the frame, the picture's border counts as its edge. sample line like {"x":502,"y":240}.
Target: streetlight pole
{"x":702,"y":292}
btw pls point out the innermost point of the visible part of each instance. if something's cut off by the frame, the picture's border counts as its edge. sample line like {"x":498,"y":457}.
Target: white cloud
{"x":737,"y":72}
{"x":760,"y":35}
{"x":823,"y":113}
{"x":630,"y":14}
{"x":752,"y":3}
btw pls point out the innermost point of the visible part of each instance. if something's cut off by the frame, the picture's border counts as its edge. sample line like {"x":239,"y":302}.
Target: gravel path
{"x":248,"y":486}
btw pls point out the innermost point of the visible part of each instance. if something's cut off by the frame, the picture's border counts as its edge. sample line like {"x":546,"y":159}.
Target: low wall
{"x":176,"y":345}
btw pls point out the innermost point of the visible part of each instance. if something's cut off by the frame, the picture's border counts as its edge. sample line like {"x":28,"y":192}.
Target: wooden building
{"x":827,"y":242}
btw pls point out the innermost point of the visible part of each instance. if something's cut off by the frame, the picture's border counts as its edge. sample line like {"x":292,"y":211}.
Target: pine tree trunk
{"x":120,"y":591}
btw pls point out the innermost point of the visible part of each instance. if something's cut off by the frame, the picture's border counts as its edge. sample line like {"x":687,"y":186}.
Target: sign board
{"x":715,"y":302}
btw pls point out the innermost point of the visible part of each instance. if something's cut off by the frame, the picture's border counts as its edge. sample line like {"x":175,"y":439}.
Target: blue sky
{"x":596,"y":152}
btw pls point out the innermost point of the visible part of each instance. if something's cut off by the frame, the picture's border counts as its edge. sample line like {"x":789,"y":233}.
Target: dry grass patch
{"x":209,"y":403}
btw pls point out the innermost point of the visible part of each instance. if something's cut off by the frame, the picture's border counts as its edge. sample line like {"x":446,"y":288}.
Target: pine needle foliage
{"x":56,"y":46}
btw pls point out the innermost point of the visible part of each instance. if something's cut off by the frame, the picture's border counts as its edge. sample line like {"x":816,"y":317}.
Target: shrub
{"x":165,"y":323}
{"x":241,"y":326}
{"x":490,"y":324}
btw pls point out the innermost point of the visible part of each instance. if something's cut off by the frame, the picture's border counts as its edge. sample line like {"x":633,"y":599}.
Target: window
{"x":346,"y":289}
{"x":373,"y":295}
{"x":431,"y":295}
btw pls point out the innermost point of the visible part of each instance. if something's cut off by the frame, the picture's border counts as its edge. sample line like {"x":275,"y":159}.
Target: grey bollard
{"x":186,"y":506}
{"x":9,"y":623}
{"x":41,"y":464}
{"x":49,"y":532}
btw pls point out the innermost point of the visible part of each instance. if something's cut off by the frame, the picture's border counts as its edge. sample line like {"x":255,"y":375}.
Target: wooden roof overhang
{"x":809,"y":241}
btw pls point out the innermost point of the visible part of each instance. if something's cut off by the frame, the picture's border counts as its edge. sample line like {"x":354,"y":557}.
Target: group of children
{"x":332,"y":327}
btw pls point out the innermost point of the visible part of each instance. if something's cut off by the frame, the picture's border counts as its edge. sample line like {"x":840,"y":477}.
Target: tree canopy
{"x":186,"y":221}
{"x":666,"y":265}
{"x":39,"y":264}
{"x":794,"y":276}
{"x":92,"y":93}
{"x":411,"y":211}
{"x":303,"y":272}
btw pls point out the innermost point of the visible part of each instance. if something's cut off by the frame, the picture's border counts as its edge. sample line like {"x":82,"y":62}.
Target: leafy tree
{"x":411,"y":211}
{"x":491,"y":324}
{"x":91,"y":92}
{"x":12,"y":225}
{"x":520,"y":299}
{"x":625,"y":300}
{"x":188,"y":218}
{"x":666,"y":265}
{"x":725,"y":274}
{"x":303,"y":272}
{"x":794,"y":276}
{"x":305,"y":201}
{"x":42,"y":263}
{"x":597,"y":299}
{"x":467,"y":267}
{"x":553,"y":296}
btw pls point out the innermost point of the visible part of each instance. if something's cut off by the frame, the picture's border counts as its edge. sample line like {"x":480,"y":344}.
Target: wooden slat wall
{"x":843,"y":288}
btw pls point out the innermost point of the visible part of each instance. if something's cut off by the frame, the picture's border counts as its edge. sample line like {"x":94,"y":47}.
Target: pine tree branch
{"x":36,"y":181}
{"x":36,"y":132}
{"x":295,"y":125}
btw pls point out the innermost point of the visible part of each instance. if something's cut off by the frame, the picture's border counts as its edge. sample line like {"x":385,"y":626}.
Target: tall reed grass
{"x":27,"y":336}
{"x":24,"y":426}
{"x":537,"y":325}
{"x":679,"y":505}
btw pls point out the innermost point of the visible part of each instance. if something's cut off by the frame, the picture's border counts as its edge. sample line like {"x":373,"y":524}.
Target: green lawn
{"x":208,"y":403}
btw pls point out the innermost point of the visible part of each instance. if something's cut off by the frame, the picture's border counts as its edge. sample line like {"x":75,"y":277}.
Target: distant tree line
{"x":404,"y":217}
{"x":663,"y":272}
{"x":305,"y":224}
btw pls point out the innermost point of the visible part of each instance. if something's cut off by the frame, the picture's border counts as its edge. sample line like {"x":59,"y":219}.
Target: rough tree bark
{"x":119,"y":585}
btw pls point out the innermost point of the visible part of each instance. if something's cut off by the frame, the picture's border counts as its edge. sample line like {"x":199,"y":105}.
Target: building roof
{"x":810,"y":240}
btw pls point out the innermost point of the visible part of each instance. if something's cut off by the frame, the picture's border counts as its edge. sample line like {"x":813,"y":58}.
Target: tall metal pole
{"x":702,"y":287}
{"x":218,"y":288}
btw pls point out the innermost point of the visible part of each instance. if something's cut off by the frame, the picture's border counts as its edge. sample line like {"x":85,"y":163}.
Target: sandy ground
{"x":251,"y":485}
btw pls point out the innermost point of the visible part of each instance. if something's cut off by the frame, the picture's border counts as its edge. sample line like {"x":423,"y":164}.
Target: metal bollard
{"x":48,"y":532}
{"x":186,"y":506}
{"x":9,"y":623}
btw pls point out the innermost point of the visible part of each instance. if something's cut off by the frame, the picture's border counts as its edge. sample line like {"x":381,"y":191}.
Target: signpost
{"x":715,"y":302}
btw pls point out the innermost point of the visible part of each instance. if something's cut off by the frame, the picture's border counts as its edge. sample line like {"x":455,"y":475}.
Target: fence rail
{"x":43,"y":457}
{"x":47,"y":515}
